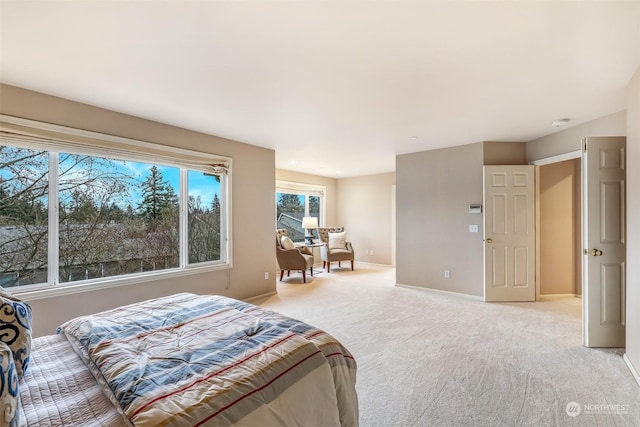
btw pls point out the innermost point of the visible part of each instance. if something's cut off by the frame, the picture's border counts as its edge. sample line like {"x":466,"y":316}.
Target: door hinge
{"x":584,"y":144}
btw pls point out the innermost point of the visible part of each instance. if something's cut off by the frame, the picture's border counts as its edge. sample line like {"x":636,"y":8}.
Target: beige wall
{"x":504,"y":153}
{"x":253,"y":207}
{"x":364,"y":209}
{"x":633,"y":223}
{"x":331,"y":197}
{"x":569,"y":140}
{"x":434,"y":190}
{"x":557,"y":228}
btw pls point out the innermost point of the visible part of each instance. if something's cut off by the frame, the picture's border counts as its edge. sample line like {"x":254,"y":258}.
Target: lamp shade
{"x":309,"y":222}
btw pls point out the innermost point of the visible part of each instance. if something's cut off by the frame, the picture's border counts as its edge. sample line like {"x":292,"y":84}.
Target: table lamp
{"x":309,"y":223}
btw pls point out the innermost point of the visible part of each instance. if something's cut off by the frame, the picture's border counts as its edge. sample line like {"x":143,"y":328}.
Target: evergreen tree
{"x":314,"y":206}
{"x":171,"y":198}
{"x":157,"y":195}
{"x":82,"y":208}
{"x":130,"y":212}
{"x":215,"y":210}
{"x":289,"y":203}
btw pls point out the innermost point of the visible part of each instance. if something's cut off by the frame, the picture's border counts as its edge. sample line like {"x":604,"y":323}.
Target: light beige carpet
{"x":432,"y":359}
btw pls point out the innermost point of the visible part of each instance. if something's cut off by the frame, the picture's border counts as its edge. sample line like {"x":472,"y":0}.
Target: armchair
{"x":331,"y":253}
{"x":292,"y":258}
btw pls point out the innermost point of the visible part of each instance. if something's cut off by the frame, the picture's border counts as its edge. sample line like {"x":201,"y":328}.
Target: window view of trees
{"x":204,"y":220}
{"x":289,"y":213}
{"x":291,"y":208}
{"x":314,"y":207}
{"x":114,"y":217}
{"x":24,"y":191}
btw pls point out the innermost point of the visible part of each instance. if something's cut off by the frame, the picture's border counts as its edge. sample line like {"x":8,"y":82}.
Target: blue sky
{"x":199,"y":184}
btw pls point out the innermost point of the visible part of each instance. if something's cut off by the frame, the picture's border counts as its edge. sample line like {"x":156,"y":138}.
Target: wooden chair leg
{"x":281,"y":274}
{"x":339,"y":263}
{"x":328,"y":267}
{"x":304,"y":276}
{"x":311,"y":270}
{"x":288,"y":273}
{"x":324,"y":264}
{"x":351,"y":265}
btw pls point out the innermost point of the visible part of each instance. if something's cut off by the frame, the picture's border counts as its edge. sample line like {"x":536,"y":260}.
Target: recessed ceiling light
{"x":294,"y":162}
{"x":558,"y":123}
{"x":338,"y":172}
{"x":413,"y":138}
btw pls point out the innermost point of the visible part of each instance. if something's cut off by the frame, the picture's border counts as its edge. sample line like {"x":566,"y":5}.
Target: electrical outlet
{"x":370,"y":251}
{"x":447,"y":274}
{"x":266,"y":275}
{"x":473,"y":228}
{"x":366,"y":251}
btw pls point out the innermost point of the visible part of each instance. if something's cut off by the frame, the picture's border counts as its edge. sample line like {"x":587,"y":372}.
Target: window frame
{"x":64,"y":138}
{"x":306,"y":190}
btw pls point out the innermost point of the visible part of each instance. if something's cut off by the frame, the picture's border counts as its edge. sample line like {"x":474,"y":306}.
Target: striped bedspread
{"x":210,"y":360}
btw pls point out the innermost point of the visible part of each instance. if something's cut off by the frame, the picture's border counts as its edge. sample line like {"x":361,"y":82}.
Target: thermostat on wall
{"x":475,"y":208}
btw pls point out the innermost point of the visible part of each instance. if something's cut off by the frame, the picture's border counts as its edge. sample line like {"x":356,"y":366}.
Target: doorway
{"x":559,"y":225}
{"x":602,"y":253}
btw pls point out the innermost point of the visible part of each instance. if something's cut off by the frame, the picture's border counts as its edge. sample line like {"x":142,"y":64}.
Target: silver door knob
{"x":596,"y":252}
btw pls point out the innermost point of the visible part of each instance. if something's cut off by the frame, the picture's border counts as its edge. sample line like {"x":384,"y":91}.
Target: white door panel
{"x":509,"y":233}
{"x":604,"y":237}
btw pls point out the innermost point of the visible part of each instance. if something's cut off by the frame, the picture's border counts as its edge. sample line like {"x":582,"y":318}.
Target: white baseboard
{"x":557,"y":296}
{"x":439,"y":291}
{"x":373,"y":263}
{"x":631,"y":368}
{"x":257,"y":297}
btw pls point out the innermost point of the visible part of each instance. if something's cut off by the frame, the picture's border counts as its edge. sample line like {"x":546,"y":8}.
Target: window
{"x":72,"y":214}
{"x":295,"y":201}
{"x":204,"y":217}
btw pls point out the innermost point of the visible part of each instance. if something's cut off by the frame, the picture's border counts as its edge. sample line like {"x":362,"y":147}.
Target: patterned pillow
{"x":9,"y":396}
{"x":286,"y":243}
{"x":337,"y":241}
{"x":15,"y":328}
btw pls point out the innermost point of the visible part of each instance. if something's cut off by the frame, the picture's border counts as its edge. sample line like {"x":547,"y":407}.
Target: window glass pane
{"x":24,"y":194}
{"x":314,"y":208}
{"x":204,"y":217}
{"x":290,"y":210}
{"x":116,"y":217}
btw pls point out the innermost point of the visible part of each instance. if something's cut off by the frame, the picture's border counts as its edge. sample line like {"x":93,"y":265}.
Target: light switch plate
{"x":473,"y":228}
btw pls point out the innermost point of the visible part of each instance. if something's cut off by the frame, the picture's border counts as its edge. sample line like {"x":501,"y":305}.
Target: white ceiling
{"x":334,"y":86}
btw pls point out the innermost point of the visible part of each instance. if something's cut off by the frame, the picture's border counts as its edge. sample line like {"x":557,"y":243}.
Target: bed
{"x":188,"y":360}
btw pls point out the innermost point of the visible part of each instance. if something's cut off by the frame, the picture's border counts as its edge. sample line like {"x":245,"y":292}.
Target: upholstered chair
{"x":335,"y":248}
{"x":292,"y":258}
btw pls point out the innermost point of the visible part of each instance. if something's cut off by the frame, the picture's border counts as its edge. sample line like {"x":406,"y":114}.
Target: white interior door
{"x":509,"y":233}
{"x":603,"y":278}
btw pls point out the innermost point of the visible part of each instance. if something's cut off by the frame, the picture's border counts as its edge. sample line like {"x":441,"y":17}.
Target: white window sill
{"x":47,"y":291}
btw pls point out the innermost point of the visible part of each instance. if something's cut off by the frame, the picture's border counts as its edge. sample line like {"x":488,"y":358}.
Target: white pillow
{"x":337,"y":241}
{"x":286,"y":242}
